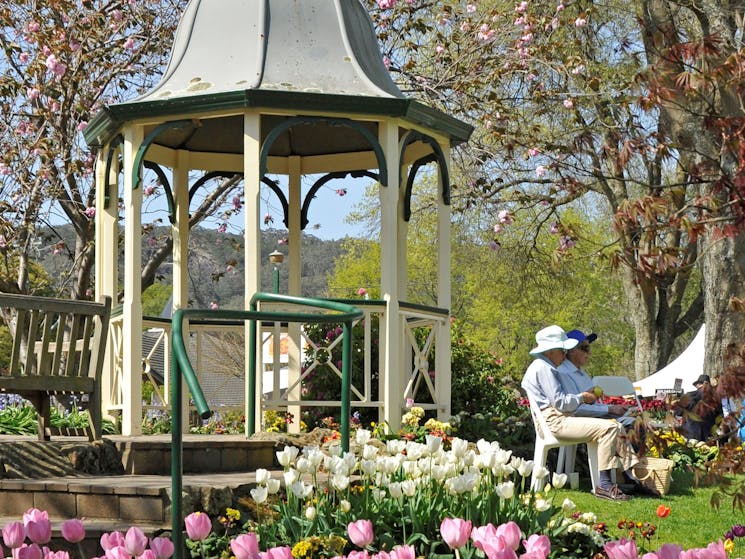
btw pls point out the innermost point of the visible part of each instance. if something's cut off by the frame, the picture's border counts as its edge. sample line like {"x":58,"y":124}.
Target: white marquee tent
{"x":686,"y":367}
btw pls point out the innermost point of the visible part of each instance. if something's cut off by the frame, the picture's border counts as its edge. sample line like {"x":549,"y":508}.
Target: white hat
{"x":552,"y":337}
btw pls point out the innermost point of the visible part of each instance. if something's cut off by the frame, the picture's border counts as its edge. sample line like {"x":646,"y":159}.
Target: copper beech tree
{"x":632,"y":109}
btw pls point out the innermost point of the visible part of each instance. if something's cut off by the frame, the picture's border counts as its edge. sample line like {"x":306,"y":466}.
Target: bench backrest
{"x":56,"y":337}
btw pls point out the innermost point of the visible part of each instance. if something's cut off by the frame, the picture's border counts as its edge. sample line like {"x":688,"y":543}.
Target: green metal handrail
{"x":181,"y":368}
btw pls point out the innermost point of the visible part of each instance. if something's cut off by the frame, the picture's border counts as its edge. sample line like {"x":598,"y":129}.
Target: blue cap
{"x":580,"y":336}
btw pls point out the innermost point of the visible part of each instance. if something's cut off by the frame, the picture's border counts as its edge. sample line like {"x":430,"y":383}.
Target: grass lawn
{"x":692,"y":521}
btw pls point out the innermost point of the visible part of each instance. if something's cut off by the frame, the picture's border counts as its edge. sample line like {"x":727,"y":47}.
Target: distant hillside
{"x":216,"y":271}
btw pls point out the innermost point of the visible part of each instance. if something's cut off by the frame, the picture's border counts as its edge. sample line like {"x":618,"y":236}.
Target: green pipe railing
{"x":181,"y":369}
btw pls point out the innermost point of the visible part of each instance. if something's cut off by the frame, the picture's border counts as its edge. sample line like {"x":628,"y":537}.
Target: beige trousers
{"x":613,"y":447}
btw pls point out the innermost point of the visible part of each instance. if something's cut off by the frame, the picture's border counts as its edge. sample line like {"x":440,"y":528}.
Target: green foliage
{"x":21,"y":419}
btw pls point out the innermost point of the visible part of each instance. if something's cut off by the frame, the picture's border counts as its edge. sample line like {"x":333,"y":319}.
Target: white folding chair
{"x":614,"y":385}
{"x":545,"y":440}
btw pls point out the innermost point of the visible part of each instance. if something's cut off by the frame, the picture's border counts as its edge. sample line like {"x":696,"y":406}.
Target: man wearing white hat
{"x":541,"y":381}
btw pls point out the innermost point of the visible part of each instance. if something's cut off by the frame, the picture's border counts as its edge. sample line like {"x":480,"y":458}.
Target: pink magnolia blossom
{"x":439,"y":49}
{"x":554,"y":228}
{"x":540,"y":171}
{"x":521,"y":7}
{"x":565,"y":243}
{"x":14,"y":533}
{"x":214,"y":306}
{"x":505,"y":217}
{"x":387,"y":62}
{"x":55,"y":66}
{"x":621,"y":549}
{"x":33,"y":26}
{"x":560,"y":8}
{"x":245,"y":546}
{"x":455,"y":531}
{"x":129,"y":44}
{"x":268,"y":219}
{"x":465,"y":27}
{"x":568,"y":103}
{"x":470,"y":8}
{"x":82,"y":125}
{"x":486,"y":33}
{"x":163,"y":547}
{"x":237,"y":202}
{"x":90,"y":212}
{"x":497,"y":228}
{"x":580,"y":22}
{"x":32,"y":93}
{"x":198,"y":524}
{"x":360,"y":532}
{"x":533,"y":151}
{"x":223,"y":227}
{"x":73,"y":530}
{"x":386,"y":4}
{"x":23,"y":57}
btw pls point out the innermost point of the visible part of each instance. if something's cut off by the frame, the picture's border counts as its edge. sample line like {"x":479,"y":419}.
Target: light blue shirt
{"x":541,"y":381}
{"x":574,"y":380}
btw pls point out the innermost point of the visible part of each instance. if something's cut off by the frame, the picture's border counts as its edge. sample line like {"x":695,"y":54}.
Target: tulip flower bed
{"x":394,"y":500}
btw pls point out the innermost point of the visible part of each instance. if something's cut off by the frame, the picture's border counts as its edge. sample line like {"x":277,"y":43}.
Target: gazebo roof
{"x":304,"y":56}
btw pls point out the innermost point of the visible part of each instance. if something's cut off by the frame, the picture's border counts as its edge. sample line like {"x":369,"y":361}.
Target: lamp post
{"x":276,"y":258}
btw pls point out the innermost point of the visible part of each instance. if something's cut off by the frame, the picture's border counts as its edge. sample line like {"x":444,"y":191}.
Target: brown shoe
{"x":612,"y":494}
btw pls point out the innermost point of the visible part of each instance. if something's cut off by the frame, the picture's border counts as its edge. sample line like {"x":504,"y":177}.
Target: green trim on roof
{"x":107,"y":123}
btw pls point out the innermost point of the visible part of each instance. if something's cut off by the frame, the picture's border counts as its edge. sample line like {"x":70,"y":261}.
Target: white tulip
{"x":369,"y":452}
{"x":559,"y":480}
{"x":363,"y":436}
{"x":310,"y":513}
{"x":287,"y":456}
{"x":439,"y":472}
{"x":487,"y":460}
{"x":458,"y":447}
{"x":506,"y":490}
{"x":395,"y":490}
{"x":395,"y":446}
{"x":433,"y":443}
{"x":540,"y":472}
{"x":259,"y":494}
{"x":414,"y":450}
{"x":340,"y":482}
{"x":542,"y":505}
{"x":350,"y":460}
{"x":408,"y":487}
{"x":303,"y":465}
{"x":335,"y":450}
{"x":483,"y":446}
{"x":290,"y":477}
{"x":345,"y":505}
{"x":411,"y":469}
{"x":368,"y":467}
{"x":301,"y":489}
{"x":568,"y":506}
{"x":316,"y":457}
{"x":525,"y":468}
{"x":262,"y":476}
{"x":378,"y":494}
{"x":272,"y":486}
{"x":503,"y":456}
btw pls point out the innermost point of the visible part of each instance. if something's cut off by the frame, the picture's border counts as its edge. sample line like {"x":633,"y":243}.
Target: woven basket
{"x":655,"y":473}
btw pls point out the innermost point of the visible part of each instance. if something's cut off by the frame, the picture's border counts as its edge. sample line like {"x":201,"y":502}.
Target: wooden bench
{"x":58,"y":348}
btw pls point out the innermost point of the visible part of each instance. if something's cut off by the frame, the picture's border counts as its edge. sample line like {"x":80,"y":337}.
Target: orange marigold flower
{"x":663,"y":511}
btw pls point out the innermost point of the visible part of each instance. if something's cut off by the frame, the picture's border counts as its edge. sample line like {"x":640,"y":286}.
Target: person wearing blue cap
{"x":575,"y":380}
{"x":541,"y":382}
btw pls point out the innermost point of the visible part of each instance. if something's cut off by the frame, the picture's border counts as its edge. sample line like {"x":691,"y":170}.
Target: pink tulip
{"x":358,"y":554}
{"x":135,"y":541}
{"x":198,"y":526}
{"x":360,"y":532}
{"x":715,"y":550}
{"x":511,"y":533}
{"x":622,"y":549}
{"x":669,"y":551}
{"x":56,"y":555}
{"x":111,"y":539}
{"x":39,"y":532}
{"x":283,"y":552}
{"x":455,"y":531}
{"x":32,"y":551}
{"x":538,"y":545}
{"x":482,"y":533}
{"x":533,"y":555}
{"x":650,"y":555}
{"x":497,"y":548}
{"x":403,"y":552}
{"x":148,"y":554}
{"x":381,"y":555}
{"x":163,"y":547}
{"x":13,"y":534}
{"x":245,"y":546}
{"x":118,"y":552}
{"x":34,"y":515}
{"x":73,"y":530}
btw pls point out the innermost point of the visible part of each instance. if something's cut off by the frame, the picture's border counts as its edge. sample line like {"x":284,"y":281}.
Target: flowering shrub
{"x":686,"y":453}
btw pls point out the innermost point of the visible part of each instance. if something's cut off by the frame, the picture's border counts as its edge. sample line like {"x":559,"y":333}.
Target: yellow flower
{"x":233,"y":514}
{"x":301,"y":549}
{"x":729,"y":545}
